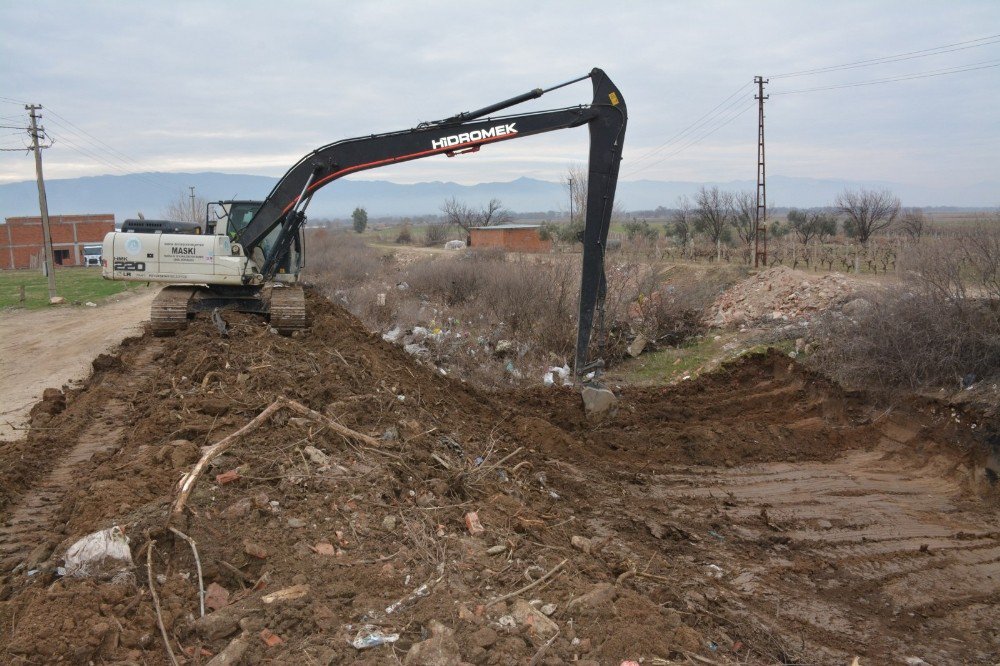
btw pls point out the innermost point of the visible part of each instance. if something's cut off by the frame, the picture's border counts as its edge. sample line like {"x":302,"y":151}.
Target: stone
{"x":483,"y":638}
{"x":601,"y":595}
{"x":216,"y":596}
{"x":824,"y":524}
{"x":435,"y":651}
{"x":254,"y":549}
{"x":57,"y":300}
{"x":389,"y":523}
{"x":637,"y":346}
{"x":231,"y":655}
{"x":529,"y":616}
{"x":316,"y":456}
{"x":582,"y":544}
{"x":472,"y":523}
{"x":296,"y":523}
{"x":599,"y":401}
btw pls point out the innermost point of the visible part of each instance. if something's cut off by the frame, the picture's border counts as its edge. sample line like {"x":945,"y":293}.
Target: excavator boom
{"x":605,"y":117}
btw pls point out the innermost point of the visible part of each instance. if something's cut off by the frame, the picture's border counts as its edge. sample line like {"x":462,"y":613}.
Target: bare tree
{"x":913,"y":223}
{"x":681,"y":225}
{"x":745,"y":209}
{"x":182,"y":209}
{"x":714,"y":211}
{"x":576,"y":184}
{"x":467,"y":217}
{"x":868,"y":212}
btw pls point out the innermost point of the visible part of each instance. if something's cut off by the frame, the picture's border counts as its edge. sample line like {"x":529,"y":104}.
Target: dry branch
{"x":156,"y":602}
{"x":217,"y":449}
{"x":527,"y":587}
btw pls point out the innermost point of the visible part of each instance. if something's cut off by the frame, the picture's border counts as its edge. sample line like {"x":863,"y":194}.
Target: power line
{"x":698,"y":140}
{"x":98,"y":158}
{"x":693,"y":125}
{"x":987,"y":64}
{"x":110,"y":149}
{"x":11,"y":100}
{"x":909,"y":55}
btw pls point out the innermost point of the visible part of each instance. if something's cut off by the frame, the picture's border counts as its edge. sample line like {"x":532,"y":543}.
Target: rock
{"x":824,"y":524}
{"x":53,"y":395}
{"x":496,"y":550}
{"x":316,"y":456}
{"x":599,"y":401}
{"x":435,"y":651}
{"x":529,"y":616}
{"x":637,"y":346}
{"x":254,"y":549}
{"x":582,"y":544}
{"x":239,"y":509}
{"x":601,"y":595}
{"x":300,"y":422}
{"x":230,"y":476}
{"x":472,"y":523}
{"x":857,"y":307}
{"x":548,"y":609}
{"x":183,"y":452}
{"x":389,"y":523}
{"x":216,"y":596}
{"x":483,"y":638}
{"x":57,"y":300}
{"x":286,"y":594}
{"x":214,"y":407}
{"x":296,"y":523}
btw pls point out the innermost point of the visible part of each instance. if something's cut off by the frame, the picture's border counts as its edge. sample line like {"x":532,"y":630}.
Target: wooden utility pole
{"x":43,"y":203}
{"x":194,"y":214}
{"x":571,"y":199}
{"x":759,"y":229}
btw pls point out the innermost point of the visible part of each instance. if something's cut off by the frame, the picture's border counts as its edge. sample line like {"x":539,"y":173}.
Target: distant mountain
{"x":151,"y":193}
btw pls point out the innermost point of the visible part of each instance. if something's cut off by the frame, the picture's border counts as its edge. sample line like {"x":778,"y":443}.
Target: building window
{"x":60,"y":257}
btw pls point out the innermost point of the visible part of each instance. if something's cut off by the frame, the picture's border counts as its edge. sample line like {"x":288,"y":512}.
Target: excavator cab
{"x":232,"y":217}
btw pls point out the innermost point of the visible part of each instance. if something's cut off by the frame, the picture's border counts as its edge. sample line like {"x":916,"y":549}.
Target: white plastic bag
{"x":102,"y":554}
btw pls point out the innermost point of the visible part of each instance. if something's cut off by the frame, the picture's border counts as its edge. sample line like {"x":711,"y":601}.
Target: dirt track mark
{"x":32,"y":529}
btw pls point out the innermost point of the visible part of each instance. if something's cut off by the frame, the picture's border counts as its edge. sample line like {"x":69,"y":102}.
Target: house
{"x":511,"y":237}
{"x":21,"y":239}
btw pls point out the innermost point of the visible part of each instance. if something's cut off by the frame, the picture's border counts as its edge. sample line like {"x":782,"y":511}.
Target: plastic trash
{"x":370,"y":636}
{"x":392,"y":335}
{"x":547,"y":379}
{"x":103,"y":554}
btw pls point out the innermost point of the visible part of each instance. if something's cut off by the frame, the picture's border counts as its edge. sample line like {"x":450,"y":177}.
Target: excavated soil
{"x":757,"y":515}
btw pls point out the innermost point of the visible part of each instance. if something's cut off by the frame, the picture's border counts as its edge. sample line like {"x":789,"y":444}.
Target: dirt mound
{"x":779,"y":294}
{"x":608,"y":541}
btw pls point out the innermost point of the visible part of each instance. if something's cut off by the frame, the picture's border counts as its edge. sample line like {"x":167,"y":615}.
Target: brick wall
{"x":21,"y":238}
{"x":524,"y":239}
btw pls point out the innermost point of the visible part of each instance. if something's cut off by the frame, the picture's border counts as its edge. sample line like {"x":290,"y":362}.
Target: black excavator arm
{"x":605,"y":117}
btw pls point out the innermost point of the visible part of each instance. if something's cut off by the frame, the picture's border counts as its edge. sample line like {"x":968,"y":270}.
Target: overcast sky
{"x":249,"y":87}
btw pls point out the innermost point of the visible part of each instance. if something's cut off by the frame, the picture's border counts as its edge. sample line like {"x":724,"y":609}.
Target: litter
{"x":100,"y":554}
{"x":371,"y":636}
{"x":715,"y":571}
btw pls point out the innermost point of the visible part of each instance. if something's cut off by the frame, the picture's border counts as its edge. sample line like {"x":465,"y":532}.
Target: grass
{"x":76,"y":285}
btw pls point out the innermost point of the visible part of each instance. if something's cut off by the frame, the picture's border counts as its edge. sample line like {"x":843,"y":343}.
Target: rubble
{"x":779,"y":294}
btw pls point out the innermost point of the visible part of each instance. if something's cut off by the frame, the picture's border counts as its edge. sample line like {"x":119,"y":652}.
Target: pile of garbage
{"x":779,"y":295}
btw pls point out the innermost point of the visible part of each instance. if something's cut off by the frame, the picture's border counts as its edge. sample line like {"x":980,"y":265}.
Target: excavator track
{"x":288,"y":309}
{"x":169,"y":312}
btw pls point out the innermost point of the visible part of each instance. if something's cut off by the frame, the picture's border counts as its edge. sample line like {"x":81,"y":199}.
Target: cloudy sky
{"x":249,"y":87}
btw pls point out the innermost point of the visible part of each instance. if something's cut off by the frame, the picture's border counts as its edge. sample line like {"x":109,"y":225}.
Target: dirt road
{"x":44,"y":348}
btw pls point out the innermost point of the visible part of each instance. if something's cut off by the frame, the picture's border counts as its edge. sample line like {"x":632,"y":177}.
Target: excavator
{"x":250,"y":256}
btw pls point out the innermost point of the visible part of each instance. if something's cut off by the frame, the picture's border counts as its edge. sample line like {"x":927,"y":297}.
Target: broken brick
{"x":231,"y":476}
{"x":472,"y":523}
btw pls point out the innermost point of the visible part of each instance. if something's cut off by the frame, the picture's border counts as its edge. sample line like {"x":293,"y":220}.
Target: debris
{"x":270,"y":638}
{"x":100,"y":554}
{"x":296,"y":523}
{"x":324,"y":548}
{"x":286,"y":594}
{"x":496,"y":550}
{"x":915,"y":661}
{"x":582,"y":544}
{"x":537,"y":623}
{"x":472,"y":523}
{"x":216,"y":596}
{"x":441,"y":650}
{"x":231,"y":655}
{"x":90,"y":304}
{"x":637,"y":346}
{"x":601,"y":595}
{"x":316,"y":456}
{"x":530,"y":585}
{"x":230,"y":476}
{"x":393,"y":334}
{"x":548,"y":609}
{"x":370,"y":636}
{"x":715,"y":571}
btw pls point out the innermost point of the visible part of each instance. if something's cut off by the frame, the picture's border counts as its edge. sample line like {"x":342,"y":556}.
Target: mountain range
{"x":151,"y":193}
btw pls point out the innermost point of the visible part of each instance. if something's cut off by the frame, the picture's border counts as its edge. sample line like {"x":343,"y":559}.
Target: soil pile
{"x":489,"y":528}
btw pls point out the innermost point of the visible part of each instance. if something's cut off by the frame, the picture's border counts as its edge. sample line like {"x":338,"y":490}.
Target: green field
{"x":76,"y":285}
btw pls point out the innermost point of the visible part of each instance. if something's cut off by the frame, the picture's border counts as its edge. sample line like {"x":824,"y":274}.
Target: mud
{"x":755,"y":515}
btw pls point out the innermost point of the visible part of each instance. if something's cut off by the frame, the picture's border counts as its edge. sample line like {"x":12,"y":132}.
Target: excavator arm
{"x":605,"y":117}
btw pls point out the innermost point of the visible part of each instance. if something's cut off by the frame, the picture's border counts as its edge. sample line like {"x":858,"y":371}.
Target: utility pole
{"x":194,"y":214}
{"x":43,"y":203}
{"x":760,"y":217}
{"x":571,"y":199}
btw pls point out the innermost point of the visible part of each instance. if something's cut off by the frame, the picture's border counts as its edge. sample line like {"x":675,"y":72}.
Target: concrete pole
{"x":43,"y":203}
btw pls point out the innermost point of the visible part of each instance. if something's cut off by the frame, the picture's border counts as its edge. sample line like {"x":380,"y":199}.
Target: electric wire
{"x":987,"y":64}
{"x":909,"y":55}
{"x":703,"y":120}
{"x":102,"y":160}
{"x":739,"y":112}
